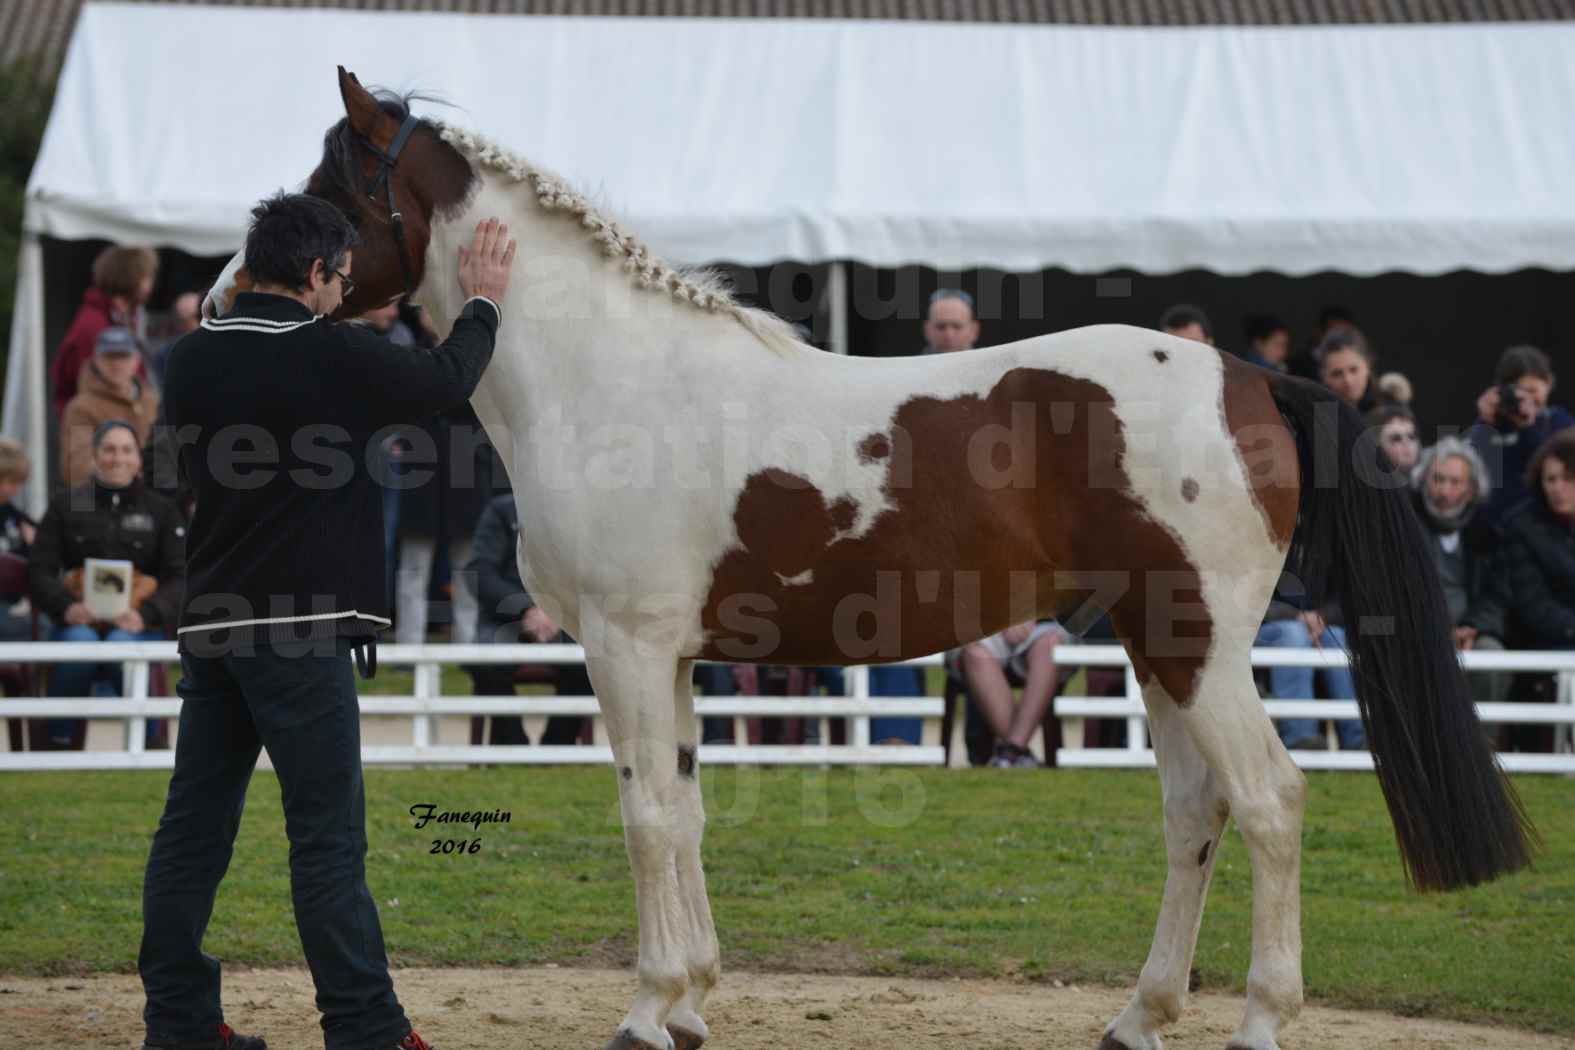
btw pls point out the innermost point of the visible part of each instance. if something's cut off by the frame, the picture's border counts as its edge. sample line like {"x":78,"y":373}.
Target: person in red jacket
{"x":122,"y":283}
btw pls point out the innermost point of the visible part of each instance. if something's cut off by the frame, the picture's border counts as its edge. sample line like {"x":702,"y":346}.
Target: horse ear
{"x":360,"y":106}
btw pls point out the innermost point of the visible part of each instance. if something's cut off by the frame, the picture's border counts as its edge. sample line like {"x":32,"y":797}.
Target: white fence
{"x":427,"y":705}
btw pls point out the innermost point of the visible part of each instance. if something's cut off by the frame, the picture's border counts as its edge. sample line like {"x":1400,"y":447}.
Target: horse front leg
{"x":635,"y":692}
{"x":702,"y":955}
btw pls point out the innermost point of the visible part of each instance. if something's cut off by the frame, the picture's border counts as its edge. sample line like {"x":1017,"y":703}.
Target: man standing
{"x":285,"y":577}
{"x":950,"y":324}
{"x":1187,"y":321}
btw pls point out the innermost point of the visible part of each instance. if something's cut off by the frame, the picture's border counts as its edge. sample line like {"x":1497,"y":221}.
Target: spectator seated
{"x":113,"y":516}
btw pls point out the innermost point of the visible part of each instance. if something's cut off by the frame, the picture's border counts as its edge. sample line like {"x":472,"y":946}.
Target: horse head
{"x":390,"y":173}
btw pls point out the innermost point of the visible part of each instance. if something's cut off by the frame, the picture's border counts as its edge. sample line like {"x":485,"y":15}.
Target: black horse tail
{"x":1457,"y":819}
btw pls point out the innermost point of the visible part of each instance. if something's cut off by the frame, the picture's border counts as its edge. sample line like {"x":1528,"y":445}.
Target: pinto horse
{"x":693,"y":482}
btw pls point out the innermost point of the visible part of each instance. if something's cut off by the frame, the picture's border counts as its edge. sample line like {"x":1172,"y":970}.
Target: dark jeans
{"x":304,"y":709}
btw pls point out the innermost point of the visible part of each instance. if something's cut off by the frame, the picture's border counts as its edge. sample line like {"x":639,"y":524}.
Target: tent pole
{"x":837,"y":295}
{"x":26,"y":381}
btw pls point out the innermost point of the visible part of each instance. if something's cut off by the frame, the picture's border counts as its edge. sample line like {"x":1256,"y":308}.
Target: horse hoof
{"x":1110,"y":1042}
{"x":684,"y":1039}
{"x":624,"y":1041}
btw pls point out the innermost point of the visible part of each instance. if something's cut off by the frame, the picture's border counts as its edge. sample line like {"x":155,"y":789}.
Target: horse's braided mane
{"x":700,"y":287}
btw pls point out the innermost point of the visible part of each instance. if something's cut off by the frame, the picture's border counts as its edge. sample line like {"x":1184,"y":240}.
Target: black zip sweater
{"x":278,"y":418}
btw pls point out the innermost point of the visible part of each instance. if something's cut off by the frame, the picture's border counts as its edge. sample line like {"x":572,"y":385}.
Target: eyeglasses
{"x":347,"y":284}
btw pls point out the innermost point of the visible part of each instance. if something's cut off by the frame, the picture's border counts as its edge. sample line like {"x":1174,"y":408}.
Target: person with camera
{"x":1514,"y":419}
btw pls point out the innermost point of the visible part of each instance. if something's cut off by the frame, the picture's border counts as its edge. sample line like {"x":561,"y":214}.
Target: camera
{"x":1507,"y":418}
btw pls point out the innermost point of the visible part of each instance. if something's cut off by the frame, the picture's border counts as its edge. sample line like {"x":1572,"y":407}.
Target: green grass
{"x":1034,"y":876}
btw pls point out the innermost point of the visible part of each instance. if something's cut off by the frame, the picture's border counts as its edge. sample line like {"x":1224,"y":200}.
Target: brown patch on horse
{"x":684,"y":1039}
{"x":1265,"y":444}
{"x":1189,"y":490}
{"x":1162,"y":356}
{"x":876,"y":446}
{"x":844,"y":513}
{"x":430,"y":177}
{"x":1203,"y":854}
{"x":976,"y":537}
{"x":686,"y":761}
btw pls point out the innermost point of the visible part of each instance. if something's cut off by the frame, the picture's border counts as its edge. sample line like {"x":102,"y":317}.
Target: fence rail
{"x":428,"y":702}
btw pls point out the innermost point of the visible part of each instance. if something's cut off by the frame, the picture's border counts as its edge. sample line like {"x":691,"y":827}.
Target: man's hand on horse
{"x":484,"y":266}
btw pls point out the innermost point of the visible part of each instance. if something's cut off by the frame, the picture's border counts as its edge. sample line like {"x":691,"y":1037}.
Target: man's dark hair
{"x":1334,"y":314}
{"x":289,"y":231}
{"x":1261,"y":326}
{"x":1520,"y":361}
{"x":1183,"y":314}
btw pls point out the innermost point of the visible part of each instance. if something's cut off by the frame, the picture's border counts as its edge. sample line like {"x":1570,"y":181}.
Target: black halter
{"x":386,"y":163}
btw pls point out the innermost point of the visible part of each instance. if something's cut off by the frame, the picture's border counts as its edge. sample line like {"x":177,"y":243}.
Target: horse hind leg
{"x":1195,"y":814}
{"x":702,"y":956}
{"x":1266,"y":793}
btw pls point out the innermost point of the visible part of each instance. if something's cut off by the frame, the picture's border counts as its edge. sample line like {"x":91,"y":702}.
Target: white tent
{"x":1359,"y":149}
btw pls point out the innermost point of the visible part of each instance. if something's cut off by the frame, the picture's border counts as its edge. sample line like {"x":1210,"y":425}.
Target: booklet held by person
{"x":106,"y":587}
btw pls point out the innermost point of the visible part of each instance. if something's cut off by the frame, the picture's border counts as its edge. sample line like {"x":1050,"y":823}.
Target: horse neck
{"x":575,"y":322}
{"x":581,"y":343}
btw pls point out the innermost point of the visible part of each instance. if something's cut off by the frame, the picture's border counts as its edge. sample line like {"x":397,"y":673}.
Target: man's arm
{"x":401,"y":384}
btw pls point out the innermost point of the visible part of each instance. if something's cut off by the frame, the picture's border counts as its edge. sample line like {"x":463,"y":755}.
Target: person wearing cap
{"x":108,"y":388}
{"x":111,"y":515}
{"x":123,"y":277}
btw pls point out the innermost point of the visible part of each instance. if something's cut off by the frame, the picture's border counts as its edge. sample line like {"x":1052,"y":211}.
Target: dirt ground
{"x":573,"y":1009}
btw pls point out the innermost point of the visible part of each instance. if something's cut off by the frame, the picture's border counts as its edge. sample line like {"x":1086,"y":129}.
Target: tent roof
{"x":1354,"y":148}
{"x":40,"y":28}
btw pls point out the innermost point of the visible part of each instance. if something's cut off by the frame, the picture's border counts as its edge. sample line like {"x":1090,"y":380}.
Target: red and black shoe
{"x":224,"y":1039}
{"x":412,"y":1041}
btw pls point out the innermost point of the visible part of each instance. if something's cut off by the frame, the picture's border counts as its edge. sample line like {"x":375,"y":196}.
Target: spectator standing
{"x":114,"y":516}
{"x":1332,"y":318}
{"x":109,"y":388}
{"x":1346,"y":365}
{"x":122,"y":283}
{"x":186,"y":316}
{"x":1187,"y":321}
{"x":949,"y":324}
{"x":1514,"y":419}
{"x":1268,"y":342}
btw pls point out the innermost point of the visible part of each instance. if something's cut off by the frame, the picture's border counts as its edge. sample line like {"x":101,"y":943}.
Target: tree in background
{"x":28,"y":93}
